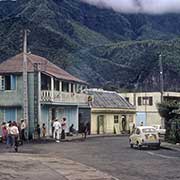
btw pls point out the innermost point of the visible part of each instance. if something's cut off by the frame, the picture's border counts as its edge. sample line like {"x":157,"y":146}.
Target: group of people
{"x":40,"y":130}
{"x":59,"y":128}
{"x":11,"y":132}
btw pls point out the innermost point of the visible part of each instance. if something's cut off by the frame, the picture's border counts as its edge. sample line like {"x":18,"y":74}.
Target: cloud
{"x":139,"y":6}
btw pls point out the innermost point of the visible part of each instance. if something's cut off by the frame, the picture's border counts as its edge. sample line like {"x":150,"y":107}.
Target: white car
{"x":144,"y":136}
{"x":160,"y":130}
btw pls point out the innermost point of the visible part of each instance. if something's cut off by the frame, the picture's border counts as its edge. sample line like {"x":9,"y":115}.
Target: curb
{"x":96,"y":136}
{"x":170,"y":146}
{"x":78,"y":138}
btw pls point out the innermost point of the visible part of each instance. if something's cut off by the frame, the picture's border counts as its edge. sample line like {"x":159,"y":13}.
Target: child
{"x":44,"y":130}
{"x":38,"y":131}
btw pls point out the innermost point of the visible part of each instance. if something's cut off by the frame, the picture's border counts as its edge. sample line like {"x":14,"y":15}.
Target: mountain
{"x":105,"y":48}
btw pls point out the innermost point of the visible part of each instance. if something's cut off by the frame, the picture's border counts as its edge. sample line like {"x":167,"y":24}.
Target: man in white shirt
{"x":23,"y":127}
{"x":14,"y":132}
{"x":57,"y":126}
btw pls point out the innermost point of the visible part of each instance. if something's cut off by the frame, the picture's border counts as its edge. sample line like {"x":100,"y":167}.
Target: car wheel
{"x":131,"y":145}
{"x":139,"y":146}
{"x":158,"y":146}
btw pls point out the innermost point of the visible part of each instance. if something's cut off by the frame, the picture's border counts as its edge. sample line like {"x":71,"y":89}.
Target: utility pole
{"x":161,"y":84}
{"x":25,"y":82}
{"x":161,"y":77}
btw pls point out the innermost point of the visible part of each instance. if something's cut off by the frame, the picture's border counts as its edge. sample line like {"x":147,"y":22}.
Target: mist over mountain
{"x":106,"y":48}
{"x":139,"y":6}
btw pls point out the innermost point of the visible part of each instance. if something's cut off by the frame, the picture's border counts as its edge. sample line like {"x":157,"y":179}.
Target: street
{"x":96,"y":158}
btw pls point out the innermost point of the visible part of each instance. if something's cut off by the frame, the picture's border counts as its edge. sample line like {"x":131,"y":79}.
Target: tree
{"x":169,"y":110}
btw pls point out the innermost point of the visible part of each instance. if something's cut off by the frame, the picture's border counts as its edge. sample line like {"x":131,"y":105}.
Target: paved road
{"x":98,"y":158}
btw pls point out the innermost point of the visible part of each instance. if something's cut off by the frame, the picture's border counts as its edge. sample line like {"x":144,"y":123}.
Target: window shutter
{"x":150,"y":101}
{"x":2,"y":83}
{"x":13,"y":82}
{"x":139,"y":101}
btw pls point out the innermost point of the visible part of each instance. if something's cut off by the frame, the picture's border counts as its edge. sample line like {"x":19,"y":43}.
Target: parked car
{"x":160,"y":130}
{"x":144,"y":136}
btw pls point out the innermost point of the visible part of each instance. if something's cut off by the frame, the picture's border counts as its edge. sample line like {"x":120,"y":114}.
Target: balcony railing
{"x":64,"y":97}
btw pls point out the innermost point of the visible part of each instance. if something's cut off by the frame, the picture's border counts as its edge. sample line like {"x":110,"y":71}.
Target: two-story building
{"x":52,"y":93}
{"x":146,"y":105}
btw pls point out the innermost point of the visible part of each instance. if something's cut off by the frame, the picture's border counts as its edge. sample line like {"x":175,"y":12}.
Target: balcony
{"x":64,"y":97}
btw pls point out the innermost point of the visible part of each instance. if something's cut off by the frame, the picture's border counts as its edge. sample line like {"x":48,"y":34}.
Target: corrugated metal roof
{"x":105,"y":99}
{"x":15,"y":65}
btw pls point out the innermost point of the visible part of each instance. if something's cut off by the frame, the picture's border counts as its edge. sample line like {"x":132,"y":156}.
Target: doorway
{"x":100,"y":124}
{"x":54,"y":113}
{"x":124,"y":123}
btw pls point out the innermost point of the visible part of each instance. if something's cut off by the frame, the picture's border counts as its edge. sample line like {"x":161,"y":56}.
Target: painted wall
{"x":13,"y":97}
{"x":146,"y":113}
{"x":153,"y":119}
{"x":71,"y":114}
{"x":45,"y":119}
{"x":109,"y":122}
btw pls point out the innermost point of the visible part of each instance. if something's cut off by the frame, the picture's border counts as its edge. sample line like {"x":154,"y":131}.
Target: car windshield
{"x":148,"y":130}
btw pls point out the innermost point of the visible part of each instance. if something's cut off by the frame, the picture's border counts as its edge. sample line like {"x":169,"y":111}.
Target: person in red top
{"x":4,"y":132}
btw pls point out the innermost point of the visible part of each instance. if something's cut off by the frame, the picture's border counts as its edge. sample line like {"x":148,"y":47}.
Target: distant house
{"x":110,"y":113}
{"x":52,"y":93}
{"x":146,"y":105}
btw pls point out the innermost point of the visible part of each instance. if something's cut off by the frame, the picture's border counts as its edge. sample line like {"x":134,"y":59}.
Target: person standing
{"x":52,"y":127}
{"x":44,"y":130}
{"x":63,"y":125}
{"x":57,"y":126}
{"x":4,"y":132}
{"x":9,"y":141}
{"x":15,"y":134}
{"x":85,"y":131}
{"x":38,"y":129}
{"x":22,"y":130}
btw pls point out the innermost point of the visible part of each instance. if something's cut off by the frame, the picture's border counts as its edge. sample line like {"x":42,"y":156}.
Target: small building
{"x":52,"y":93}
{"x":110,"y":113}
{"x":146,"y":105}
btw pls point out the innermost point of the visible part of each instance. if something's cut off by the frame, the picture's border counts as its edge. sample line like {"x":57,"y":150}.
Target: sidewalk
{"x":167,"y":145}
{"x":78,"y":137}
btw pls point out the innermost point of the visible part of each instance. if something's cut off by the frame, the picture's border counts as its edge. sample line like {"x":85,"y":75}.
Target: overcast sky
{"x":139,"y":6}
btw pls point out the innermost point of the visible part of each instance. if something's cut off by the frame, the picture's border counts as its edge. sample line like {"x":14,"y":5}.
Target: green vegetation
{"x":169,"y":110}
{"x":107,"y":49}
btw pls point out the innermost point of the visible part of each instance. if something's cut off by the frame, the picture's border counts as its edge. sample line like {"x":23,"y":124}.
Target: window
{"x":116,"y":119}
{"x":72,"y":87}
{"x":8,"y":82}
{"x":145,"y":101}
{"x":10,"y":114}
{"x":65,"y":86}
{"x":56,"y":85}
{"x":78,"y":88}
{"x":139,"y":101}
{"x":45,"y":82}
